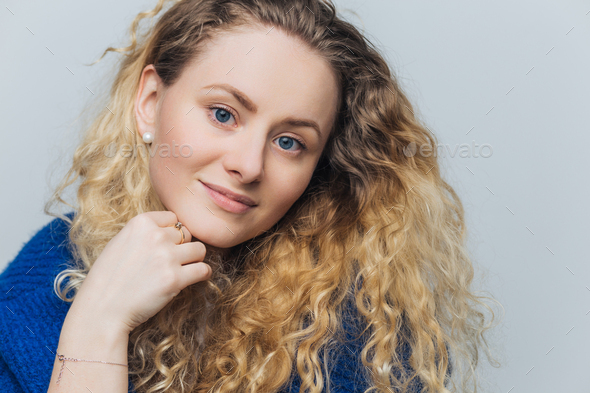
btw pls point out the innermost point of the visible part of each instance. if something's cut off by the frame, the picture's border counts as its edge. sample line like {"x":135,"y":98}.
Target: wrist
{"x":95,"y":315}
{"x":92,"y":322}
{"x":92,"y":338}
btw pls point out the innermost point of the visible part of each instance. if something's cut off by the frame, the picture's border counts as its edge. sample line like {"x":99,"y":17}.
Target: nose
{"x":245,"y":156}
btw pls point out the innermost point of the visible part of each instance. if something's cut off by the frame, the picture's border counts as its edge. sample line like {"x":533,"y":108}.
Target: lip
{"x":227,"y":199}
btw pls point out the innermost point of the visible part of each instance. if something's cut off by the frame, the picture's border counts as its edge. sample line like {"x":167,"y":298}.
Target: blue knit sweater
{"x":31,"y":317}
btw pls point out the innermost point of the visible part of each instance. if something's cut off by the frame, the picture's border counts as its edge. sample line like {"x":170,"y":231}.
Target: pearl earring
{"x":148,"y":137}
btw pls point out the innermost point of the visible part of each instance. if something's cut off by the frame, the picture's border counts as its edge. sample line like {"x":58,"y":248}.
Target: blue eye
{"x":222,"y":115}
{"x":287,"y":142}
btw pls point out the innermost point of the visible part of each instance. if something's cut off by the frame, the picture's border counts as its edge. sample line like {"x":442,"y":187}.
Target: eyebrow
{"x":251,"y":106}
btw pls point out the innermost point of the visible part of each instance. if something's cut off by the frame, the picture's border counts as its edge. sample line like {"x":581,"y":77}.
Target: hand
{"x":140,"y":270}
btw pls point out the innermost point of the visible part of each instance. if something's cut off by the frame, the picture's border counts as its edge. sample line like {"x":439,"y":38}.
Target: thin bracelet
{"x":63,"y":360}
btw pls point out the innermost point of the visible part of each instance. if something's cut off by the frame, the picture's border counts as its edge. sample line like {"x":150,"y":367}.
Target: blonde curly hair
{"x":376,"y":230}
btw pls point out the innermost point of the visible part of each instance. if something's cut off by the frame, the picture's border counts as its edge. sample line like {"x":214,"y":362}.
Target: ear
{"x":146,"y":100}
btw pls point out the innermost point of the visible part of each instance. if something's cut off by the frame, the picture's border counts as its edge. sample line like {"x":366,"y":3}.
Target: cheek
{"x":170,"y":164}
{"x":170,"y":175}
{"x":286,"y":189}
{"x":178,"y":130}
{"x":190,"y":146}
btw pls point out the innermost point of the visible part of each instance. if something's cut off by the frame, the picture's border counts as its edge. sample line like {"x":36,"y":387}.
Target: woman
{"x":249,"y":217}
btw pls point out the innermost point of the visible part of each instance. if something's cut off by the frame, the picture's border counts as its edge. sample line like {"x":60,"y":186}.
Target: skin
{"x":241,"y":150}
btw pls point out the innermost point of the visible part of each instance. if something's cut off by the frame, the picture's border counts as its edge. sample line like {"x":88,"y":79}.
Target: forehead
{"x":279,"y":73}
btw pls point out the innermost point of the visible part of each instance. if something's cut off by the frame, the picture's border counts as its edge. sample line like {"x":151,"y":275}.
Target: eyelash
{"x":303,"y":145}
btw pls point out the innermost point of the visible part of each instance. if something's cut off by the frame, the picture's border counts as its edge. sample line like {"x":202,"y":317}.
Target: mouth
{"x":227,"y":202}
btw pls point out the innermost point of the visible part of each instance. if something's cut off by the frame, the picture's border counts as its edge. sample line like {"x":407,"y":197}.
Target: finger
{"x":167,"y":219}
{"x":174,"y":235}
{"x":190,"y":252}
{"x":193,"y":273}
{"x":163,"y":218}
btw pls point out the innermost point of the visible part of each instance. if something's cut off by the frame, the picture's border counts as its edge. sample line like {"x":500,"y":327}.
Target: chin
{"x":209,"y":229}
{"x":215,"y":242}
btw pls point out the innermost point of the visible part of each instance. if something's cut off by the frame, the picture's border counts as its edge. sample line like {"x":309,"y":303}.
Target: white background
{"x":513,"y":75}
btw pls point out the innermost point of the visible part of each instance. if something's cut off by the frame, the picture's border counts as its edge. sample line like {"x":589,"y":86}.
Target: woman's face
{"x":250,"y":142}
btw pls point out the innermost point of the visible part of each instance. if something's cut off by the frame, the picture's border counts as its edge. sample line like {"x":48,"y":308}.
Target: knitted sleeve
{"x":30,"y":313}
{"x":8,"y":381}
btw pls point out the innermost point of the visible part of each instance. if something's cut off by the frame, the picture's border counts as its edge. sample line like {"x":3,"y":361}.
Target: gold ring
{"x":178,"y":226}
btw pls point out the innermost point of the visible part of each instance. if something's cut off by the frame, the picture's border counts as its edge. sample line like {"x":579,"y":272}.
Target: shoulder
{"x":44,"y":255}
{"x":31,"y":314}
